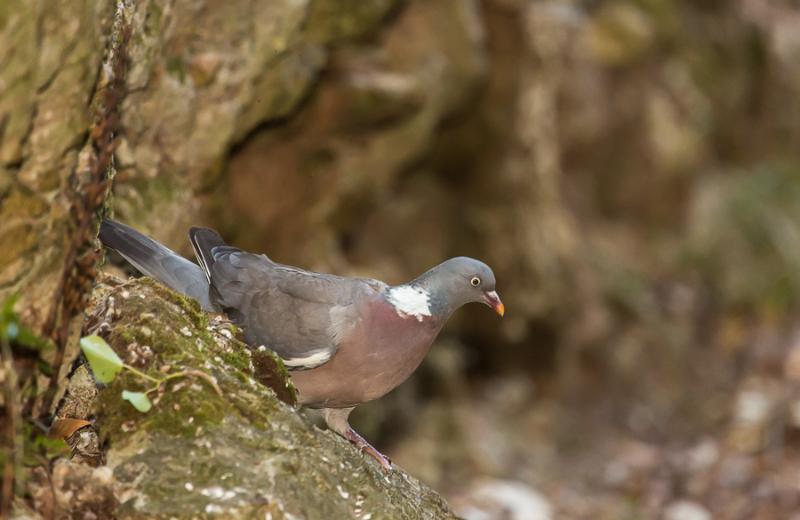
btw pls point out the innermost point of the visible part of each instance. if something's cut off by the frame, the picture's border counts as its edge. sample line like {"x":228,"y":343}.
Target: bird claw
{"x":383,"y":460}
{"x":369,"y":449}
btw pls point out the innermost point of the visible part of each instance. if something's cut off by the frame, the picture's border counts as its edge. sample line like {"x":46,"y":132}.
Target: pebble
{"x":508,"y":499}
{"x":686,"y":510}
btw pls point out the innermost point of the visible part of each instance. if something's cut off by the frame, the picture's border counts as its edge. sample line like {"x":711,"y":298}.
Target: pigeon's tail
{"x":156,"y":260}
{"x":203,"y":241}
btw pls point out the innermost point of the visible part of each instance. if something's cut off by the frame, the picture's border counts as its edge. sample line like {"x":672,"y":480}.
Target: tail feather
{"x":203,"y":241}
{"x":156,"y":260}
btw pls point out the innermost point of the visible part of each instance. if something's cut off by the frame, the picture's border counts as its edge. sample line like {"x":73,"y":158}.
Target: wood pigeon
{"x":346,"y":340}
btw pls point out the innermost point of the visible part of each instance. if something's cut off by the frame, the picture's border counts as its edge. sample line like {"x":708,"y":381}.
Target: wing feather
{"x":301,"y":315}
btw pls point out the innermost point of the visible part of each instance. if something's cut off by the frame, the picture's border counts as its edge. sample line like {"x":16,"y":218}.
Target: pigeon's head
{"x":464,"y":280}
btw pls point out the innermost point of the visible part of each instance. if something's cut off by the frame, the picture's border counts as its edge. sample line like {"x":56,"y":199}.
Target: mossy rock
{"x":239,"y":454}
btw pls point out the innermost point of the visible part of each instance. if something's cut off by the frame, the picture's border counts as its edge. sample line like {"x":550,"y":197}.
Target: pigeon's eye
{"x":475,"y":281}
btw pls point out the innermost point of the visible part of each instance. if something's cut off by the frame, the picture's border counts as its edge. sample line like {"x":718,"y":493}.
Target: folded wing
{"x":301,"y":315}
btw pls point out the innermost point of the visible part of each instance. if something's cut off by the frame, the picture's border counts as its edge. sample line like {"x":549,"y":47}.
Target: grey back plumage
{"x":301,"y":315}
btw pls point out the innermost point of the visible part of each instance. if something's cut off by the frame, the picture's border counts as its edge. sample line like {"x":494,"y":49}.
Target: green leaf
{"x":139,"y":400}
{"x":105,"y":362}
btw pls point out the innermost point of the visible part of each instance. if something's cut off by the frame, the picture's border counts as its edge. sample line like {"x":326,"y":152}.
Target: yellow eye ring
{"x":475,"y":281}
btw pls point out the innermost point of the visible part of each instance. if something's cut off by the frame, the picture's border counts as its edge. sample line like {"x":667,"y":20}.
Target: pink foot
{"x":368,"y":448}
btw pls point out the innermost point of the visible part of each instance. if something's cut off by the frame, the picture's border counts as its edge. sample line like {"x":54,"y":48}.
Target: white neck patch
{"x":410,"y":301}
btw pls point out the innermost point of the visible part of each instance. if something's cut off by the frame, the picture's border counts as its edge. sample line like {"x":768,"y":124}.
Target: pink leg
{"x":336,"y":418}
{"x":362,"y":444}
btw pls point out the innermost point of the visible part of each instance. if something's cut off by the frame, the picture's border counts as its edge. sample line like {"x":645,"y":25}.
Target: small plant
{"x":106,"y":364}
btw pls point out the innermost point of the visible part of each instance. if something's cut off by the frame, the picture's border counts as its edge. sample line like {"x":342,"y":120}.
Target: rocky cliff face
{"x":52,"y":60}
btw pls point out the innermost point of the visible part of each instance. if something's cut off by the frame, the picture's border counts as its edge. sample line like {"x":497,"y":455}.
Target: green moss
{"x":179,"y":334}
{"x":240,"y":454}
{"x":186,"y":304}
{"x":192,"y":405}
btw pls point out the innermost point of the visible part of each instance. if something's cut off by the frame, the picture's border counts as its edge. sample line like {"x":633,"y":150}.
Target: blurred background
{"x":629,"y":168}
{"x":631,"y":171}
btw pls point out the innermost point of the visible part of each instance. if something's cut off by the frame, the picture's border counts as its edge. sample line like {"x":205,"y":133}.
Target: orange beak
{"x":493,"y":300}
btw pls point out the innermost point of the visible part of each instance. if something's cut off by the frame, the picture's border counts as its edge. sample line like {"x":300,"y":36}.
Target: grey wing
{"x":300,"y":315}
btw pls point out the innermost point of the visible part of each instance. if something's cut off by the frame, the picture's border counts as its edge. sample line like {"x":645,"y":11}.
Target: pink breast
{"x":378,"y":354}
